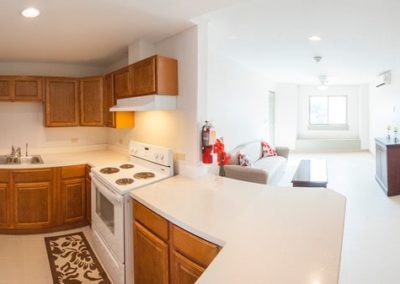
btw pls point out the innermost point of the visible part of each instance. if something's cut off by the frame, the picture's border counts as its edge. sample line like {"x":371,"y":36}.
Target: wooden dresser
{"x":388,"y":165}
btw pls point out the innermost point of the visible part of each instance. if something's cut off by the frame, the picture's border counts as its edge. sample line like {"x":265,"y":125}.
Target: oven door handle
{"x":109,"y":194}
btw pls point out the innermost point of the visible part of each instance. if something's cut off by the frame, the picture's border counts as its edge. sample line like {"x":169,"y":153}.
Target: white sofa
{"x":265,"y":170}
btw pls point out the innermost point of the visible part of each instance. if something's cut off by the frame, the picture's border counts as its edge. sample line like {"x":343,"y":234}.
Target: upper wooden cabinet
{"x":122,"y":83}
{"x":6,"y":89}
{"x":91,"y":101}
{"x":62,"y":102}
{"x":109,"y":100}
{"x":21,"y":88}
{"x":155,"y":75}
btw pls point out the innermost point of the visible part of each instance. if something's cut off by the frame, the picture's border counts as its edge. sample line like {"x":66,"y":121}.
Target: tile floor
{"x":371,"y":245}
{"x":23,"y":259}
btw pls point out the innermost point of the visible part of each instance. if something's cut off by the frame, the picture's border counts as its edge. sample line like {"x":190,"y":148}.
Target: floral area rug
{"x":73,"y":261}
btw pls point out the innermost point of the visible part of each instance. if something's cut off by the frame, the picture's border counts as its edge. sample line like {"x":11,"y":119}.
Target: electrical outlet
{"x":74,"y":140}
{"x":180,"y":156}
{"x":121,"y":141}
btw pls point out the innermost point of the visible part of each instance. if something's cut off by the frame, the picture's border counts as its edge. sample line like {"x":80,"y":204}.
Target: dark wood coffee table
{"x":311,"y":173}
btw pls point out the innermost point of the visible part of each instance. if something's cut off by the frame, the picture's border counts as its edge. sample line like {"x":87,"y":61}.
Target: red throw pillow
{"x":244,"y":160}
{"x":267,"y":150}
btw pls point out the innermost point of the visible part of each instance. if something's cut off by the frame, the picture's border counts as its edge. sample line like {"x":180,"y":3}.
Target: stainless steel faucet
{"x":15,"y":152}
{"x":18,"y":152}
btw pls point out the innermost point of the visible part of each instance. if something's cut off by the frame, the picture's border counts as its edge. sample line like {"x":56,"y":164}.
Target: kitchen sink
{"x":10,"y":160}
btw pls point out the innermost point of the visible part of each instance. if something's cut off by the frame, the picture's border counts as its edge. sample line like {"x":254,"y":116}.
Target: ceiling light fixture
{"x":314,"y":38}
{"x":323,"y":80}
{"x":30,"y":12}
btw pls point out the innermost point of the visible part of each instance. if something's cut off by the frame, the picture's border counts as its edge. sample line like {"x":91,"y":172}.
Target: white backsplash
{"x":22,"y":123}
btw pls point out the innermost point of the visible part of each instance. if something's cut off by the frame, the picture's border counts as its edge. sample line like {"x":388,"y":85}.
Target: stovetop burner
{"x":109,"y":170}
{"x":126,"y":166}
{"x":144,"y":175}
{"x":124,"y":181}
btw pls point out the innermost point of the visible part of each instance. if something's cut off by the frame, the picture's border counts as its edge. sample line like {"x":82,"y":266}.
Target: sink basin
{"x":9,"y":160}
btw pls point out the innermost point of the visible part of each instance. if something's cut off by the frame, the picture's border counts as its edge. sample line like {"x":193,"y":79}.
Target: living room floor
{"x":371,"y":246}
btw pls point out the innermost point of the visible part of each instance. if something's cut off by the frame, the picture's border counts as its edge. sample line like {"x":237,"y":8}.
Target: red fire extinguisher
{"x":207,"y":141}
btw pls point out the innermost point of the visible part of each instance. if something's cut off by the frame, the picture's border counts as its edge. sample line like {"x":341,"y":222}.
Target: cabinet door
{"x":150,"y":257}
{"x":6,"y":88}
{"x":73,"y":198}
{"x":183,"y":270}
{"x":109,"y":100}
{"x":28,"y":88}
{"x":62,"y":102}
{"x":145,"y":76}
{"x":33,"y":203}
{"x":122,"y":87}
{"x":91,"y":99}
{"x":4,"y":205}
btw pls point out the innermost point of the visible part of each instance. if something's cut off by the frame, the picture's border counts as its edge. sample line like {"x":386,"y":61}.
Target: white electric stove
{"x":111,"y":206}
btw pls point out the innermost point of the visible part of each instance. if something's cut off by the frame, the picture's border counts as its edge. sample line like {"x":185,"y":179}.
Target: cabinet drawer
{"x":193,"y":247}
{"x":32,"y":175}
{"x":73,"y":171}
{"x":152,"y":221}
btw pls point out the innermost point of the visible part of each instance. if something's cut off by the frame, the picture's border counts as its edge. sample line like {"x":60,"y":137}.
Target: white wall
{"x":286,"y":115}
{"x":292,"y":114}
{"x":22,"y":123}
{"x":49,"y":69}
{"x":384,"y":109}
{"x":352,"y":93}
{"x":175,"y":129}
{"x":237,"y":102}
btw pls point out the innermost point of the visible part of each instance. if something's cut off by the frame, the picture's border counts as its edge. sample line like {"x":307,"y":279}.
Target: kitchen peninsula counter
{"x":267,"y":234}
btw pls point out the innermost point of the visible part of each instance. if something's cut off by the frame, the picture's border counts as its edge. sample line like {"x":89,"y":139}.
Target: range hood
{"x":143,"y":103}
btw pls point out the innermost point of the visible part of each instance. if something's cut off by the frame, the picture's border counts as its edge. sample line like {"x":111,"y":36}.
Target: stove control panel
{"x":151,"y":153}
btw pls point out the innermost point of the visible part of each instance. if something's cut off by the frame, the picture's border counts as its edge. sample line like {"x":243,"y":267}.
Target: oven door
{"x":108,"y":217}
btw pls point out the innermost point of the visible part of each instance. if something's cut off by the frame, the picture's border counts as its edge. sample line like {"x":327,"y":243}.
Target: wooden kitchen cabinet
{"x":4,"y":199}
{"x":6,"y":88}
{"x":73,"y":194}
{"x":21,"y":88}
{"x":155,"y":75}
{"x":62,"y":102}
{"x":187,"y":255}
{"x":388,"y":165}
{"x":151,"y":265}
{"x":73,"y":198}
{"x":33,"y":198}
{"x":28,"y":88}
{"x":91,"y":101}
{"x":183,"y":270}
{"x":41,"y":200}
{"x":109,"y":100}
{"x":122,"y":83}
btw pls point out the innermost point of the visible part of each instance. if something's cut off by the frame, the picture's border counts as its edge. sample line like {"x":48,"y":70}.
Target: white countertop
{"x":93,"y":158}
{"x":269,"y":234}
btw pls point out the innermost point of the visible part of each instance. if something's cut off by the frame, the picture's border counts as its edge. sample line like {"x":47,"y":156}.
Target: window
{"x":328,"y":111}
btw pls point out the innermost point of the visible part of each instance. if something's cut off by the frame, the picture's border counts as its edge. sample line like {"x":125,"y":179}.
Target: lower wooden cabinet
{"x":33,"y":205}
{"x":183,"y":270}
{"x":151,"y":257}
{"x":43,"y":199}
{"x":164,"y":252}
{"x":4,"y":206}
{"x":73,"y":199}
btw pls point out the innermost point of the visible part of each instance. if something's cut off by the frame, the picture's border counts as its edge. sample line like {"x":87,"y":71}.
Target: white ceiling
{"x":360,"y":38}
{"x":91,"y":31}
